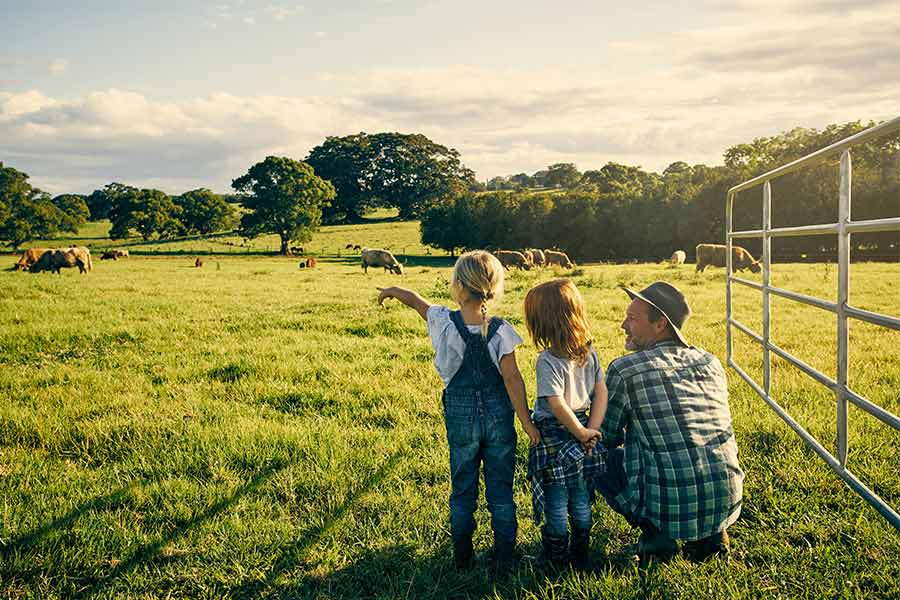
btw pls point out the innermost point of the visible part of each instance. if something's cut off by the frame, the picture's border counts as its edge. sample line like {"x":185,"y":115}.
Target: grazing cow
{"x":198,"y":263}
{"x":121,"y":253}
{"x":511,"y":258}
{"x":537,"y":257}
{"x":60,"y":258}
{"x":311,"y":263}
{"x":29,"y":257}
{"x":110,"y":255}
{"x":295,"y":249}
{"x":357,"y":247}
{"x":715,"y":254}
{"x":558,"y":258}
{"x":678,"y":257}
{"x":302,"y":264}
{"x":348,"y":247}
{"x":376,"y":257}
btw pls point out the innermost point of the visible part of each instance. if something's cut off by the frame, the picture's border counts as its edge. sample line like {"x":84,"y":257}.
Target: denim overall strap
{"x":477,"y":369}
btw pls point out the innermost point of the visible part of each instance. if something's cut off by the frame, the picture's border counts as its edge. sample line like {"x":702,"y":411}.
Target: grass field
{"x":252,"y":429}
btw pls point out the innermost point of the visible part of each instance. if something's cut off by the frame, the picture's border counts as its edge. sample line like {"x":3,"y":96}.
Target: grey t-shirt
{"x":562,"y":377}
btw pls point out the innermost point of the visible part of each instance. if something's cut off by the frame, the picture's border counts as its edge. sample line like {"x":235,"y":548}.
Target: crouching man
{"x":677,"y":476}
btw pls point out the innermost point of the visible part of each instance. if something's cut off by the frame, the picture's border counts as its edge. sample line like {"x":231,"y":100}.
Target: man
{"x":677,"y":477}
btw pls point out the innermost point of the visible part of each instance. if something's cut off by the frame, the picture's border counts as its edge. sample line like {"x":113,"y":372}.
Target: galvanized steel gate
{"x":842,"y":309}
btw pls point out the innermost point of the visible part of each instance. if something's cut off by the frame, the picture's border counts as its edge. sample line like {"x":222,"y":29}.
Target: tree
{"x":346,"y":163}
{"x":285,"y":197}
{"x":150,"y":212}
{"x":204,"y":212}
{"x":27,"y":213}
{"x":562,"y":175}
{"x":74,"y":210}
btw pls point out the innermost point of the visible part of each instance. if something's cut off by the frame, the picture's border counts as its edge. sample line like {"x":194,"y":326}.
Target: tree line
{"x":620,"y":212}
{"x":615,"y":212}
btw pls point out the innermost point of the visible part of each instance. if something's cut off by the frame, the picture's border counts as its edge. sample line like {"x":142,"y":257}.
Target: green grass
{"x":250,"y":428}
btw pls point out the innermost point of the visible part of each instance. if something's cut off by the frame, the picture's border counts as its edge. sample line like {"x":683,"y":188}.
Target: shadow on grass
{"x":151,"y":551}
{"x":402,"y":572}
{"x":292,"y":555}
{"x":108,"y":502}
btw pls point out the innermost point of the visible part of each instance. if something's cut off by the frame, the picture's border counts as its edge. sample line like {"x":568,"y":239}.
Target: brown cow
{"x":376,"y":257}
{"x":29,"y":257}
{"x":198,"y":263}
{"x":511,"y":258}
{"x":558,"y":258}
{"x":59,"y":258}
{"x":714,"y":255}
{"x":110,"y":255}
{"x":537,"y":256}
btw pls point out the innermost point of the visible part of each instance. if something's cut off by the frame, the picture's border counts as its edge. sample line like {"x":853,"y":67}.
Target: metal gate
{"x":842,"y":309}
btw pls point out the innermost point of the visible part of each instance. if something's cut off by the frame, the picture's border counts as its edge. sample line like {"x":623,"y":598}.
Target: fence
{"x":842,"y":309}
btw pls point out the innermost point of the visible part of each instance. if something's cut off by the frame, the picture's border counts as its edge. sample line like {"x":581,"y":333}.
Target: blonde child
{"x":475,"y":357}
{"x":564,"y":466}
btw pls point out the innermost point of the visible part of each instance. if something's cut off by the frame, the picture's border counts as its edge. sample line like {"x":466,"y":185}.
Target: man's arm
{"x":407,"y":297}
{"x":617,"y":410}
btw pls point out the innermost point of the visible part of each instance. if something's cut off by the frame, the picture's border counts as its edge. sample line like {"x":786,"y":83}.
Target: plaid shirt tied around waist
{"x":669,"y":404}
{"x":560,"y":460}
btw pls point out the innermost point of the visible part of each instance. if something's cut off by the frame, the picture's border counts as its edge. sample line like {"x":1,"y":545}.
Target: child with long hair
{"x":475,"y":357}
{"x":563,"y":468}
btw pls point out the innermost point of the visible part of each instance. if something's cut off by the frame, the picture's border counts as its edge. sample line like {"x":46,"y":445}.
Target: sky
{"x":180,"y":95}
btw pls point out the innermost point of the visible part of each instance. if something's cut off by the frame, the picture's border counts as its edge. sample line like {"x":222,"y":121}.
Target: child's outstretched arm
{"x":588,"y":436}
{"x":515,"y":387}
{"x":407,"y":297}
{"x":598,"y":405}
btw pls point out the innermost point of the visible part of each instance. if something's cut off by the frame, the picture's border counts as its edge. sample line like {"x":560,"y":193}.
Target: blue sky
{"x":179,"y":95}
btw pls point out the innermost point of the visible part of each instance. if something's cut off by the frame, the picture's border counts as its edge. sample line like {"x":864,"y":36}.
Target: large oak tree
{"x":285,"y":197}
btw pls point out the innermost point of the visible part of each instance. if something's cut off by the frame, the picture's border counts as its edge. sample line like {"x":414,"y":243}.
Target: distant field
{"x":250,"y":428}
{"x":379,"y":231}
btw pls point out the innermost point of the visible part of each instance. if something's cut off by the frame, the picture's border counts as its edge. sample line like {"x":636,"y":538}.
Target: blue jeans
{"x":563,"y":504}
{"x":480,"y":431}
{"x":614,"y":481}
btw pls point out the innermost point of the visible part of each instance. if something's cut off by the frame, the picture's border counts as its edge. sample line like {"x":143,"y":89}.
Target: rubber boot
{"x":717,"y":544}
{"x":578,"y":549}
{"x":655,"y":545}
{"x":504,"y":555}
{"x":554,"y":550}
{"x":462,"y":551}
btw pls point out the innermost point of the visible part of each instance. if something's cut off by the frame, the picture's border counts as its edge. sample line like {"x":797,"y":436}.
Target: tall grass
{"x":250,"y":428}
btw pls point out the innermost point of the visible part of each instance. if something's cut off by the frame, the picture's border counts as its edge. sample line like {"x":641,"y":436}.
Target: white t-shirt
{"x":562,"y":377}
{"x":449,"y":346}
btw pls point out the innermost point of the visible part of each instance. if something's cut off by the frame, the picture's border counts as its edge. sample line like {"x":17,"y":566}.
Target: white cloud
{"x":684,"y":96}
{"x":58,"y":65}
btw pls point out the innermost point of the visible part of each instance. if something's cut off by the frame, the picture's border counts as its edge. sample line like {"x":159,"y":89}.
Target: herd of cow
{"x":36,"y":260}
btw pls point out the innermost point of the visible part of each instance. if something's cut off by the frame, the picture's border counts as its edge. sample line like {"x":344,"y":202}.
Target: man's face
{"x":640,"y":333}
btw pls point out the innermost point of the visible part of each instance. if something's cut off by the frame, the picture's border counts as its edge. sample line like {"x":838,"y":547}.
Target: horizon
{"x":178,"y":96}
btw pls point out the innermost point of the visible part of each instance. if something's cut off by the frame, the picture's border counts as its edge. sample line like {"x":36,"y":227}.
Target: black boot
{"x":554,"y":549}
{"x":504,"y":558}
{"x":462,"y":551}
{"x":578,"y":548}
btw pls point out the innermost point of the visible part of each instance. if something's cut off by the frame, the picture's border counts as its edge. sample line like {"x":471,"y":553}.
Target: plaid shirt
{"x":559,"y":460}
{"x":670,"y":404}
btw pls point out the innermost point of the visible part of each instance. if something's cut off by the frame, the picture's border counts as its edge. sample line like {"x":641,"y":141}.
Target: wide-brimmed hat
{"x":668,"y":300}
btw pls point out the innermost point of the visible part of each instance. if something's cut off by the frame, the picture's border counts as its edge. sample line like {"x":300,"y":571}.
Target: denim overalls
{"x":479,"y":420}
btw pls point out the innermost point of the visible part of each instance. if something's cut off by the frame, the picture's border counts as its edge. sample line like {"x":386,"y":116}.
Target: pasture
{"x":253,"y":429}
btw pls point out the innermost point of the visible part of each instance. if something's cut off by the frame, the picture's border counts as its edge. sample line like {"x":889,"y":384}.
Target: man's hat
{"x":667,"y":299}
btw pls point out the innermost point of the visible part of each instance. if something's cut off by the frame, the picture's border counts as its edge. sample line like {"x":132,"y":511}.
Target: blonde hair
{"x":556,"y":318}
{"x":480,"y":275}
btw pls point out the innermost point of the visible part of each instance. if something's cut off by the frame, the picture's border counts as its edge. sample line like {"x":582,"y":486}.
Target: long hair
{"x":556,"y":317}
{"x":480,"y":275}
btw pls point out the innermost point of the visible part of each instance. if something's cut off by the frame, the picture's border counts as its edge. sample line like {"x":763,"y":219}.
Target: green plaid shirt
{"x":669,"y":404}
